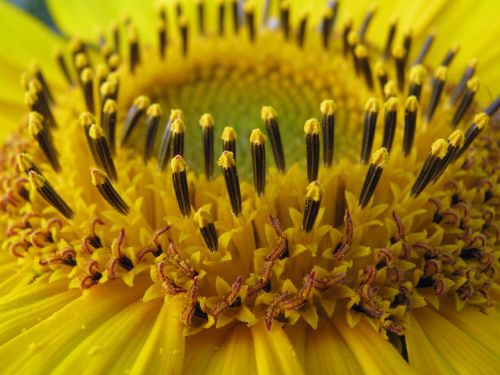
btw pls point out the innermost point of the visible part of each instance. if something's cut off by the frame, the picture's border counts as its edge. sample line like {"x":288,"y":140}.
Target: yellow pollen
{"x":312,"y":126}
{"x":81,"y":60}
{"x":417,"y":74}
{"x":35,"y":86}
{"x":35,"y":125}
{"x":24,"y":162}
{"x":35,"y":67}
{"x":328,"y":107}
{"x":391,"y":104}
{"x":257,"y":137}
{"x":176,"y":114}
{"x":268,"y":113}
{"x":353,"y":38}
{"x":441,"y":73}
{"x":481,"y":120}
{"x":380,"y":69}
{"x":87,"y":119}
{"x":101,"y":71}
{"x":98,"y":177}
{"x":35,"y":116}
{"x":107,"y":88}
{"x":314,"y":191}
{"x":473,"y":84}
{"x":75,"y":44}
{"x":439,"y":148}
{"x":249,"y":6}
{"x":457,"y":138}
{"x":114,"y":61}
{"x":207,"y":121}
{"x":411,"y":103}
{"x":30,"y":98}
{"x":86,"y":75}
{"x":203,"y":217}
{"x":226,"y":160}
{"x":141,"y":102}
{"x":178,"y":126}
{"x":361,"y":51}
{"x":399,"y":51}
{"x":380,"y":158}
{"x":372,"y":105}
{"x":177,"y":164}
{"x":154,"y":110}
{"x":110,"y":106}
{"x":390,"y":89}
{"x":228,"y":134}
{"x":96,"y":131}
{"x":36,"y":180}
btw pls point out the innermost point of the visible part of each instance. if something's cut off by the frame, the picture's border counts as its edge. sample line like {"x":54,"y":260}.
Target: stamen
{"x":366,"y":22}
{"x":353,"y":40}
{"x":236,"y":15}
{"x":179,"y":181}
{"x":180,"y":263}
{"x":455,"y":142}
{"x":379,"y":161}
{"x":44,"y":139}
{"x":369,"y":123}
{"x":326,"y":27}
{"x":417,"y":77}
{"x":109,"y":114}
{"x":469,"y":72}
{"x":177,"y":131}
{"x":327,"y":109}
{"x":301,"y":32}
{"x":390,"y":39}
{"x":207,"y":135}
{"x":135,"y":112}
{"x":285,"y":18}
{"x":221,"y":13}
{"x":40,"y":184}
{"x":103,"y":152}
{"x":258,"y":148}
{"x":36,"y":72}
{"x":101,"y":74}
{"x":190,"y":304}
{"x":264,"y":280}
{"x":270,"y":117}
{"x":381,"y":73}
{"x":364,"y":64}
{"x":86,"y":121}
{"x":345,"y":36}
{"x":390,"y":121}
{"x":230,"y":299}
{"x":480,"y":121}
{"x":228,"y":164}
{"x":399,"y":55}
{"x":108,"y":192}
{"x":430,"y":167}
{"x":207,"y":228}
{"x":311,"y":129}
{"x":329,"y":281}
{"x":311,"y":209}
{"x":114,"y":62}
{"x":250,"y":20}
{"x":425,"y":49}
{"x":390,"y":90}
{"x":411,"y":111}
{"x":201,"y":16}
{"x":184,"y":31}
{"x":229,"y":140}
{"x":154,"y":114}
{"x":162,"y":38}
{"x":407,"y":41}
{"x":26,"y":164}
{"x":87,"y":80}
{"x":437,"y":89}
{"x":38,"y":101}
{"x":493,"y":107}
{"x":117,"y":257}
{"x":450,"y":55}
{"x":63,"y":66}
{"x":134,"y":53}
{"x":165,"y":148}
{"x":471,"y":88}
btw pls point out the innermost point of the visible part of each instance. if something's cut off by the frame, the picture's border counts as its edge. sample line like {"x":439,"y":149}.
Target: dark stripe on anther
{"x":108,"y":192}
{"x":37,"y":73}
{"x":311,"y":208}
{"x":480,"y":121}
{"x":450,"y":55}
{"x":134,"y":53}
{"x":366,"y":22}
{"x":390,"y":121}
{"x":458,"y":91}
{"x":162,"y":39}
{"x":152,"y":121}
{"x":437,"y":89}
{"x":235,"y":9}
{"x":417,"y":76}
{"x":455,"y":142}
{"x":407,"y":41}
{"x":250,"y":21}
{"x":135,"y":112}
{"x":326,"y":28}
{"x":411,"y":110}
{"x":40,"y":183}
{"x":87,"y":80}
{"x":390,"y":39}
{"x":201,"y":16}
{"x":229,"y":140}
{"x":179,"y":181}
{"x":116,"y":37}
{"x":228,"y":165}
{"x":207,"y":139}
{"x":345,"y":37}
{"x":493,"y":107}
{"x":425,"y":49}
{"x":184,"y":31}
{"x":270,"y":118}
{"x":44,"y":139}
{"x":177,"y":130}
{"x":37,"y":100}
{"x":109,"y":114}
{"x":285,"y":19}
{"x":165,"y":152}
{"x":369,"y":123}
{"x":63,"y":66}
{"x":399,"y":54}
{"x":258,"y":147}
{"x":379,"y":160}
{"x":312,"y":129}
{"x":327,"y":109}
{"x":207,"y":228}
{"x":466,"y":101}
{"x":301,"y":32}
{"x":221,"y":12}
{"x":430,"y":167}
{"x":103,"y":152}
{"x":364,"y":64}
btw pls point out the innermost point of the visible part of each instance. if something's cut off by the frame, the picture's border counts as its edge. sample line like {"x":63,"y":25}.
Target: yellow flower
{"x":365,"y":241}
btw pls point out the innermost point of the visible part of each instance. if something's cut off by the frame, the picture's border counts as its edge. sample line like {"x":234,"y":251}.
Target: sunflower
{"x":345,"y":222}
